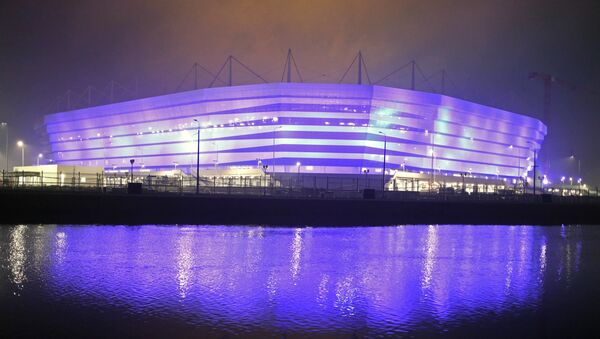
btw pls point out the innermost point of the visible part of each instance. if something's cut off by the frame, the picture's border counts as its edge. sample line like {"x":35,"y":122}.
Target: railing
{"x":300,"y":186}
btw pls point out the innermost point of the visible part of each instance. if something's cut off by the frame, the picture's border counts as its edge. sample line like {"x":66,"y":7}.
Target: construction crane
{"x":548,"y":81}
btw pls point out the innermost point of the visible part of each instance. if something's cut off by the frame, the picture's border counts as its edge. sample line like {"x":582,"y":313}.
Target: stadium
{"x":302,"y":129}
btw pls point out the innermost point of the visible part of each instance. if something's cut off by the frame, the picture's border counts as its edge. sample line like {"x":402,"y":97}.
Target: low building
{"x":55,"y":175}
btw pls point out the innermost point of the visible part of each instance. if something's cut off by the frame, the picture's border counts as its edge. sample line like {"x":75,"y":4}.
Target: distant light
{"x":40,"y":155}
{"x":20,"y":143}
{"x":298,"y":164}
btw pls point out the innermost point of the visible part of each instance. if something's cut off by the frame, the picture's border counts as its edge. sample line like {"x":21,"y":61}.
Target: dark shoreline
{"x":97,"y":208}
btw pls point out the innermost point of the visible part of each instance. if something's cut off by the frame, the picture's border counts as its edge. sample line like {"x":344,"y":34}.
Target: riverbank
{"x":98,"y":208}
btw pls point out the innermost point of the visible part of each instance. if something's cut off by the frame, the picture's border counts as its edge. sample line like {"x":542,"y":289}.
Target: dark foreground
{"x":98,"y":208}
{"x":458,"y":281}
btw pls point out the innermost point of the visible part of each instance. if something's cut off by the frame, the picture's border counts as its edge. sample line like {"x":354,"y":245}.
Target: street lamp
{"x":217,"y":150}
{"x":273,"y":148}
{"x":22,"y":146}
{"x":534,"y":165}
{"x":131,"y":161}
{"x":39,"y":157}
{"x":198,"y":160}
{"x":5,"y":126}
{"x":464,"y":188}
{"x":384,"y":156}
{"x":366,"y":172}
{"x":298,"y":164}
{"x":432,"y":163}
{"x":572,"y":157}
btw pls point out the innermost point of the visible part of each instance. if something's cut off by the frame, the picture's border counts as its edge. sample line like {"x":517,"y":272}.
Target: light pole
{"x":198,"y":160}
{"x":366,"y":172}
{"x":578,"y":164}
{"x":432,"y":163}
{"x":131,"y":161}
{"x":5,"y":126}
{"x":298,"y":164}
{"x":22,"y":146}
{"x":217,"y":149}
{"x":534,"y":165}
{"x":39,"y":157}
{"x":273,"y":149}
{"x":384,"y":156}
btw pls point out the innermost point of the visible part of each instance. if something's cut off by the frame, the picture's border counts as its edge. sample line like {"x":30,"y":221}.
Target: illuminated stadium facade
{"x":300,"y":128}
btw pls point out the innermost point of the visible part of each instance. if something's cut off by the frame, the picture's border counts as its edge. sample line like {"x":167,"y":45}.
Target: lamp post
{"x":131,"y":161}
{"x":39,"y":157}
{"x":5,"y":126}
{"x":384,"y":156}
{"x":572,"y":157}
{"x":217,"y":153}
{"x":264,"y":174}
{"x":198,"y":160}
{"x":432,"y":163}
{"x":22,"y":146}
{"x":534,"y":165}
{"x":298,"y":164}
{"x":273,"y":149}
{"x":366,"y":172}
{"x":570,"y":185}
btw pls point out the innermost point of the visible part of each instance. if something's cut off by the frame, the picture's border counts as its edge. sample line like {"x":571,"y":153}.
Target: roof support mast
{"x":360,"y":62}
{"x":289,"y":65}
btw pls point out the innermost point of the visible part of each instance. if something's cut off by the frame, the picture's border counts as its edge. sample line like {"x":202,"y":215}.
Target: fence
{"x":333,"y":187}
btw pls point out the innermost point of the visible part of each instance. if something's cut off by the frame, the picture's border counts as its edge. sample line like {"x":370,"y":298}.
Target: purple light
{"x":333,"y":128}
{"x":289,"y":278}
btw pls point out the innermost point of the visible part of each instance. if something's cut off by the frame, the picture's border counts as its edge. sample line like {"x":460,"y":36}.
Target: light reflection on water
{"x":370,"y":281}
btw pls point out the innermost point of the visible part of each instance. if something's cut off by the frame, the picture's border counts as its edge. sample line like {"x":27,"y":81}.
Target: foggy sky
{"x":487,"y":47}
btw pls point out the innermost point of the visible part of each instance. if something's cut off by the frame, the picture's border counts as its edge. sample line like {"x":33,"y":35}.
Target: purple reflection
{"x":374,"y":280}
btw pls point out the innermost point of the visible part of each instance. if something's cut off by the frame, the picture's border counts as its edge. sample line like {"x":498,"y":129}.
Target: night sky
{"x":487,"y":48}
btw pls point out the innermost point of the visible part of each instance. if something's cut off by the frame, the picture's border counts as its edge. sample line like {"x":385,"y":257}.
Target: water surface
{"x":221,"y":281}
